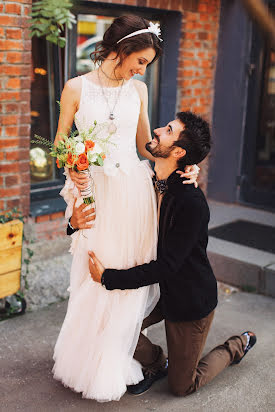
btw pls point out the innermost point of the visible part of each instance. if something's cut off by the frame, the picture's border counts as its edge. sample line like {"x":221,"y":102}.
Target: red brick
{"x":24,"y":130}
{"x":1,"y":155}
{"x":2,"y":55}
{"x":25,"y":83}
{"x":8,"y":119}
{"x":202,"y":8}
{"x":1,"y":180}
{"x":18,"y":155}
{"x":13,"y":203}
{"x":21,"y":1}
{"x":2,"y":32}
{"x":9,"y":96}
{"x":11,"y":180}
{"x":5,"y":143}
{"x":13,"y":9}
{"x":15,"y":34}
{"x":9,"y":21}
{"x":43,"y":218}
{"x":57,"y":215}
{"x":12,"y":107}
{"x":13,"y":83}
{"x":11,"y":45}
{"x":8,"y":192}
{"x":11,"y":131}
{"x":15,"y":70}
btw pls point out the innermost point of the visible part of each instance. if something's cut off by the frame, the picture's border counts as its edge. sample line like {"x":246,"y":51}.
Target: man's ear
{"x":179,"y":152}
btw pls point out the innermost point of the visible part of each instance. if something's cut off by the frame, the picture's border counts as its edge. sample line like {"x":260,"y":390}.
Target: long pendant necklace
{"x":112,"y":127}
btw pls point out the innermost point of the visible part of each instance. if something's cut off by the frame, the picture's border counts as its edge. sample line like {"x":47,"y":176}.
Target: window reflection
{"x":41,"y":164}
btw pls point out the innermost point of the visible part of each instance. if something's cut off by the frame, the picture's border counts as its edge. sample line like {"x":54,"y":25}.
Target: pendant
{"x":111,"y":117}
{"x":112,"y":128}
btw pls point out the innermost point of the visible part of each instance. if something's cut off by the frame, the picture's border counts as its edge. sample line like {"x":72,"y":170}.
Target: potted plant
{"x":11,"y":237}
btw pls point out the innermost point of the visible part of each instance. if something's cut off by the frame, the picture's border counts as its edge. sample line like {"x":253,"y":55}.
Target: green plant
{"x":50,"y":18}
{"x":11,"y":215}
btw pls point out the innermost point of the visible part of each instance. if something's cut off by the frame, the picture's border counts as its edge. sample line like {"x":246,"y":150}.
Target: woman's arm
{"x":69,"y":103}
{"x":143,"y":128}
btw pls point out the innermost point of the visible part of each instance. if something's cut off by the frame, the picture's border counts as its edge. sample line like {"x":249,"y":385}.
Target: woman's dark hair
{"x":122,"y":26}
{"x":195,"y":138}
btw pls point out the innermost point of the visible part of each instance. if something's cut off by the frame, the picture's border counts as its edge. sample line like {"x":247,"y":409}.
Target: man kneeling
{"x":187,"y":284}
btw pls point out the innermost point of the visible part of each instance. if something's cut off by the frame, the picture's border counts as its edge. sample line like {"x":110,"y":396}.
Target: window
{"x":46,"y":179}
{"x":265,"y":152}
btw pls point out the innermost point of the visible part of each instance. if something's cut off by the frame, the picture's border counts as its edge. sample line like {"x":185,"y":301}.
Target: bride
{"x":94,"y":350}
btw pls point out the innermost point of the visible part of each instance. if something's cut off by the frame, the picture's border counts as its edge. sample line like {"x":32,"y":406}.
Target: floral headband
{"x":153,"y":28}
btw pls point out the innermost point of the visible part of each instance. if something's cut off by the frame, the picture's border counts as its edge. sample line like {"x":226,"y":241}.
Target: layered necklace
{"x":112,"y":127}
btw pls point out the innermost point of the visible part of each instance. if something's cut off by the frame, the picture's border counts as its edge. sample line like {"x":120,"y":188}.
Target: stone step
{"x":251,"y":269}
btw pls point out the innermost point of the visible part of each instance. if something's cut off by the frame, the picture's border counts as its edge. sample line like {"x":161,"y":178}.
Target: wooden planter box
{"x":11,"y":236}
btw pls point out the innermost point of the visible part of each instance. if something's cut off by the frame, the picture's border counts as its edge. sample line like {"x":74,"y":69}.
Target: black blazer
{"x":187,"y":283}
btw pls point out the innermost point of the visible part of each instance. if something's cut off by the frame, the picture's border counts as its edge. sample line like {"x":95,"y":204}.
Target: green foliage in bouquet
{"x":79,"y":149}
{"x":49,"y":19}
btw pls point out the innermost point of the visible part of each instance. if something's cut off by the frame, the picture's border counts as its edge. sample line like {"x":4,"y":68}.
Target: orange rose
{"x":103,"y":157}
{"x":70,"y":159}
{"x":58,"y":165}
{"x":82,"y":162}
{"x":89,"y":144}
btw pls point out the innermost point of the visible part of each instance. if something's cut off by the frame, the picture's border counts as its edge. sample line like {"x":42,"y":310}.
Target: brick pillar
{"x":15,"y":83}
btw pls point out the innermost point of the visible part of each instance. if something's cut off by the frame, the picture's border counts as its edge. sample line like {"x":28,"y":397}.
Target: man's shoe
{"x":149,"y":378}
{"x":250,"y":343}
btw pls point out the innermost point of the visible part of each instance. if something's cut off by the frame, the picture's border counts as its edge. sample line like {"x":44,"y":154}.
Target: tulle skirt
{"x":94,"y":350}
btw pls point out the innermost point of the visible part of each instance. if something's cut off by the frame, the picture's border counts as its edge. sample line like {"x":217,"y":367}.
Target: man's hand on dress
{"x":95,"y":266}
{"x":191,"y":173}
{"x":80,"y":218}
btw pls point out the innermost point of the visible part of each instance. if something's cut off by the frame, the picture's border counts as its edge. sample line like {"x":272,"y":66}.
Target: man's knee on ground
{"x":181,"y":391}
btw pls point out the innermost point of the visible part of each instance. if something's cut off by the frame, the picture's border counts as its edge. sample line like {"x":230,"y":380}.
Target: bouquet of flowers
{"x":80,"y":150}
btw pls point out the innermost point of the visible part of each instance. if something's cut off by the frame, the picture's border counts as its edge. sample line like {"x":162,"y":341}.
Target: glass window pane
{"x":43,"y":116}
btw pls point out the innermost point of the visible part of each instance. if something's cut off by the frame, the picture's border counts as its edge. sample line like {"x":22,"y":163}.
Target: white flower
{"x":92,"y":157}
{"x":154,"y":28}
{"x":97,"y":149}
{"x":79,"y":148}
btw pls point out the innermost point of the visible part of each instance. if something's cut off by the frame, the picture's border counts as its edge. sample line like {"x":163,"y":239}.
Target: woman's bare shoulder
{"x":140,"y":85}
{"x":73,"y":87}
{"x":141,"y":89}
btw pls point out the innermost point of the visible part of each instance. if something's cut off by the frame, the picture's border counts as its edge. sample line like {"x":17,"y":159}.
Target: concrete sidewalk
{"x":26,"y":347}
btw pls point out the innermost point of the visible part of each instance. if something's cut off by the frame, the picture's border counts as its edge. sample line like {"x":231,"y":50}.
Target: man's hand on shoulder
{"x":81,"y":218}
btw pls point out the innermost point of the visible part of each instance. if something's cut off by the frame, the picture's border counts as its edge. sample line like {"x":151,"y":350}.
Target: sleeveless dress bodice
{"x":125,"y":101}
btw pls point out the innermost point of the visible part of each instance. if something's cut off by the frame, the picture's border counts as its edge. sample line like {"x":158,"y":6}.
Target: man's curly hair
{"x":195,"y":138}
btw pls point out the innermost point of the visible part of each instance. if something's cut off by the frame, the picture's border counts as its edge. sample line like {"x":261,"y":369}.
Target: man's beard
{"x":159,"y":151}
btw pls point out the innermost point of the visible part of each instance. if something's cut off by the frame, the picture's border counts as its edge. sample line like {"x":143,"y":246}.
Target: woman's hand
{"x":80,"y":179}
{"x":191,"y":173}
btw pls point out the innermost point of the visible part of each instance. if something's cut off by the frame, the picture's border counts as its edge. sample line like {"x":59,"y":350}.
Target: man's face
{"x":162,"y":144}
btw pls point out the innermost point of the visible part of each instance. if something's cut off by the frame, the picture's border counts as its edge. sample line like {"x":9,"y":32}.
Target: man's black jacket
{"x":187,"y":283}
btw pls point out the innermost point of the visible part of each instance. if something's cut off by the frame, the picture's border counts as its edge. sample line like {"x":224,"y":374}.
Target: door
{"x":257,"y":183}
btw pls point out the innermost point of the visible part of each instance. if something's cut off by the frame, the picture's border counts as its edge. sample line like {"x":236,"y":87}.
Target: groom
{"x":187,"y":284}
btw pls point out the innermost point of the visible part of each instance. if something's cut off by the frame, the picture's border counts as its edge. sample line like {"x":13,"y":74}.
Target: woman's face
{"x":136,"y":63}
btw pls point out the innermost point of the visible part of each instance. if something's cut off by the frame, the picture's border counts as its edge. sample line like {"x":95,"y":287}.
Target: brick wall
{"x":197,"y":61}
{"x":15,"y":71}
